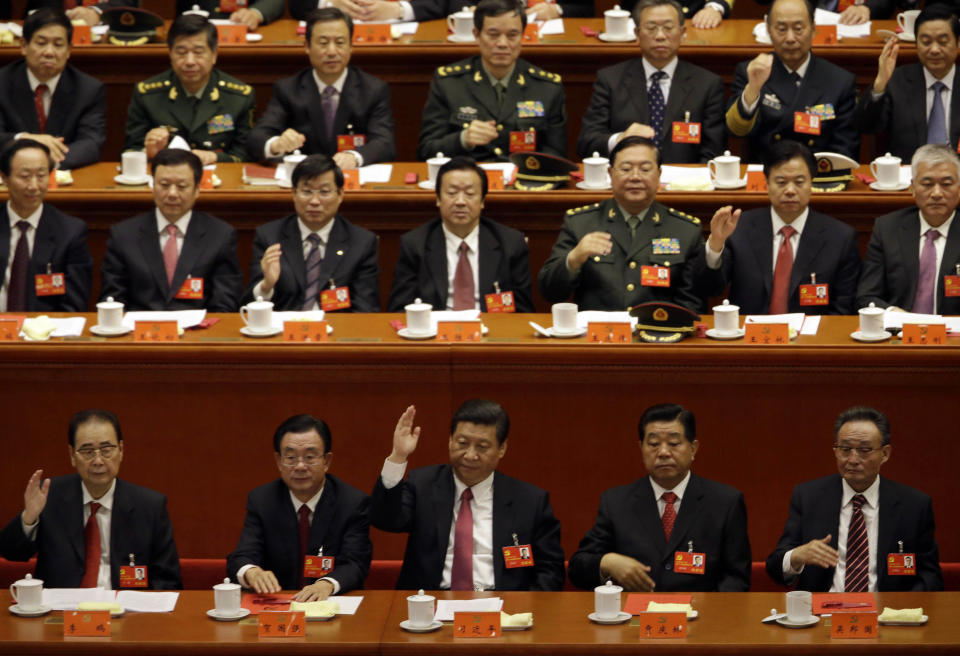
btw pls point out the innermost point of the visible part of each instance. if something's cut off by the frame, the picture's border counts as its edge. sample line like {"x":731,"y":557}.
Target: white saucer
{"x":860,"y":337}
{"x":617,"y":39}
{"x":525,"y":627}
{"x":900,"y":186}
{"x":732,"y":185}
{"x":453,"y":38}
{"x":43,"y":610}
{"x":434,"y":625}
{"x":583,"y":185}
{"x":427,"y":184}
{"x":579,"y":332}
{"x":253,"y":37}
{"x":713,"y":334}
{"x":619,"y":619}
{"x":131,"y":180}
{"x":249,"y":332}
{"x":240,"y":614}
{"x":903,"y":36}
{"x":109,"y":332}
{"x":923,"y":620}
{"x":406,"y":334}
{"x":783,"y":621}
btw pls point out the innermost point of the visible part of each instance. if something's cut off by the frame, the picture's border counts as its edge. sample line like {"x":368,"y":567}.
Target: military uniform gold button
{"x":497,"y":151}
{"x":596,"y":258}
{"x":630,"y":287}
{"x":633,"y":265}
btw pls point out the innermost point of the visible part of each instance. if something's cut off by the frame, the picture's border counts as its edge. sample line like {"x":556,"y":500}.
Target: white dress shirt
{"x":482,"y":509}
{"x":182,"y":224}
{"x":31,"y":235}
{"x":940,"y":245}
{"x":453,"y":242}
{"x":305,"y":232}
{"x":679,"y":490}
{"x":871,"y":513}
{"x":648,"y":71}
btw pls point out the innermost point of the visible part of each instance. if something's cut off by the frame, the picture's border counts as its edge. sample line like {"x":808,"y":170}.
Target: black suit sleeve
{"x":595,"y":128}
{"x":113,"y":270}
{"x":547,"y":549}
{"x":165,"y":563}
{"x":577,"y":8}
{"x":790,"y":539}
{"x":556,"y":283}
{"x":90,"y":133}
{"x":872,"y":114}
{"x":260,"y":245}
{"x":873,"y":287}
{"x":250,"y":548}
{"x":405,"y":277}
{"x":520,"y":274}
{"x":353,"y":562}
{"x":929,"y":577}
{"x":393,"y":510}
{"x":273,"y":122}
{"x":365,"y":285}
{"x":426,"y":10}
{"x":584,"y":567}
{"x":14,"y":545}
{"x":79,"y":273}
{"x":843,"y":296}
{"x":555,"y":140}
{"x":735,"y":576}
{"x":380,"y":145}
{"x":226,"y":280}
{"x":846,"y":137}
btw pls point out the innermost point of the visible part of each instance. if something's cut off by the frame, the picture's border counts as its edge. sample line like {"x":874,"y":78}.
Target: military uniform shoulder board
{"x":683,"y":215}
{"x":459,"y":68}
{"x":543,"y":75}
{"x":582,"y":209}
{"x":238,"y":88}
{"x":151,"y":86}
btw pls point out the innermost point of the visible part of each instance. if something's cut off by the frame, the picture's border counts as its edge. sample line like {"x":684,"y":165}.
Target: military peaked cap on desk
{"x":540,"y":172}
{"x":128,"y":26}
{"x":663,"y":323}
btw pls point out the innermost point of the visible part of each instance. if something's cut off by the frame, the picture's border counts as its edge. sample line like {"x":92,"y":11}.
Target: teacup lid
{"x":616,"y":11}
{"x":726,"y":306}
{"x":595,"y":159}
{"x":420,"y":596}
{"x":109,"y":303}
{"x":226,"y":585}
{"x":608,"y":588}
{"x":871,"y":309}
{"x":418,"y":305}
{"x":439,"y":158}
{"x":28,"y":580}
{"x":726,"y":157}
{"x":887,"y":159}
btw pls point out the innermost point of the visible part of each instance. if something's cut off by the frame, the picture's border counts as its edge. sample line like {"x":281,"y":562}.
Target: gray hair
{"x":646,"y":4}
{"x":933,"y":154}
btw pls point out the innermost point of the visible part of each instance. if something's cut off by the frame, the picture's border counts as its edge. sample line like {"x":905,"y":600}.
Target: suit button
{"x":668,"y":566}
{"x":810,"y":143}
{"x":497,"y":151}
{"x":630,"y":287}
{"x":633,"y":265}
{"x":596,"y":258}
{"x":776,"y":137}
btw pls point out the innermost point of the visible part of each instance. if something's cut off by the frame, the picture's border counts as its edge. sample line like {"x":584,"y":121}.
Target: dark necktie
{"x":304,"y":531}
{"x":633,"y":221}
{"x":927,"y":280}
{"x":461,"y":576}
{"x":857,"y":572}
{"x":313,"y":272}
{"x":501,"y":92}
{"x":17,"y":289}
{"x":781,"y":273}
{"x":328,"y":102}
{"x":463,"y":281}
{"x":937,"y":124}
{"x":91,"y":571}
{"x":657,"y":105}
{"x":38,"y":102}
{"x":669,"y":513}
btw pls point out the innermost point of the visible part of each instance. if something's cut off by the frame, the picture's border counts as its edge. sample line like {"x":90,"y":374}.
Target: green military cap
{"x":131,"y":26}
{"x":540,"y":171}
{"x":834,"y":171}
{"x":662,"y":322}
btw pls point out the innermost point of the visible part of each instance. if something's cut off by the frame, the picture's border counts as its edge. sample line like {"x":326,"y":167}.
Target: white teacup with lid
{"x":258,"y":315}
{"x":28,"y":593}
{"x":606,"y":601}
{"x":461,"y":24}
{"x":226,"y":597}
{"x":595,"y":171}
{"x":110,"y":314}
{"x":724,"y":169}
{"x":434,"y":164}
{"x":616,"y":22}
{"x":133,"y":164}
{"x":420,"y":610}
{"x":418,"y":317}
{"x":726,"y":318}
{"x":886,"y":170}
{"x":871,"y":321}
{"x":289,"y":163}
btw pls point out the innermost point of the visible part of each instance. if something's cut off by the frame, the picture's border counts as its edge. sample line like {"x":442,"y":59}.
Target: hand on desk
{"x":707,"y":18}
{"x":628,"y":572}
{"x":261,"y":581}
{"x":405,"y":436}
{"x":855,"y":15}
{"x":35,"y":497}
{"x":249,"y":17}
{"x":815,"y":552}
{"x":58,"y":149}
{"x":318,"y":591}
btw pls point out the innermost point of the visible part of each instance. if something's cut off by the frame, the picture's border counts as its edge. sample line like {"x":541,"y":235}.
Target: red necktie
{"x":669,"y":513}
{"x":17,"y":288}
{"x":781,"y":273}
{"x":304,"y":514}
{"x":463,"y":281}
{"x":461,"y":578}
{"x":857,"y":572}
{"x":91,"y":570}
{"x":170,"y":253}
{"x":38,"y":102}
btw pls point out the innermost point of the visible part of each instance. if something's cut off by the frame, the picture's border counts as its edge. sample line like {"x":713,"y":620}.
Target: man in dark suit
{"x":173,"y":258}
{"x":467,"y":522}
{"x":330,"y":108}
{"x":892,"y":107}
{"x":76,"y":9}
{"x":36,"y":239}
{"x":307,"y":530}
{"x":911,"y":251}
{"x":877,"y":522}
{"x":44,"y":99}
{"x":616,"y":254}
{"x":456,"y":261}
{"x":282,"y":270}
{"x":770,"y":89}
{"x":84,"y":527}
{"x":642,"y":528}
{"x":821,"y":279}
{"x":253,"y":13}
{"x":647,"y":95}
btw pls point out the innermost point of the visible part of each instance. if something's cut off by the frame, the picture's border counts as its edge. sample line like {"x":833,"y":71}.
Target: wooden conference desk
{"x":393,"y":208}
{"x":199,"y":415}
{"x":728,"y":624}
{"x":409,"y":64}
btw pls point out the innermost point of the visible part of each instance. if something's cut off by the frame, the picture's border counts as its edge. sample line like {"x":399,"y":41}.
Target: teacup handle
{"x":873,"y":170}
{"x":711,"y":167}
{"x":900,"y":22}
{"x":243,"y":315}
{"x":450,"y":24}
{"x":13,"y":592}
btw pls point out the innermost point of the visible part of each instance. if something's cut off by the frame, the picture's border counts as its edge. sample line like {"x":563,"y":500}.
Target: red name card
{"x":459,"y":331}
{"x":304,"y":331}
{"x":853,"y":625}
{"x":351,"y":179}
{"x":659,"y":626}
{"x":476,"y":625}
{"x":155,"y":331}
{"x":767,"y":334}
{"x":86,"y":623}
{"x":608,"y":333}
{"x":756,"y":181}
{"x":231,"y":35}
{"x":825,"y":35}
{"x":10,"y":328}
{"x":290,"y":624}
{"x":82,"y":35}
{"x":371,"y":33}
{"x":921,"y":334}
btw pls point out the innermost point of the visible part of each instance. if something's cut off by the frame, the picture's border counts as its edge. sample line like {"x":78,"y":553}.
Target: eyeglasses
{"x":862,"y":451}
{"x":105,"y":452}
{"x":310,"y":460}
{"x":307,"y":194}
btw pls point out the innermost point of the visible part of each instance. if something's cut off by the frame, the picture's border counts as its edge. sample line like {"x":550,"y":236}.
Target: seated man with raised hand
{"x":252,"y":13}
{"x":83,"y":527}
{"x":297,"y":258}
{"x":173,"y":258}
{"x":307,"y":530}
{"x":466,"y":520}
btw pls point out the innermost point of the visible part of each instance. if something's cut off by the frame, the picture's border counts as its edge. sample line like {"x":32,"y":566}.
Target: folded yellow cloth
{"x":656,"y":607}
{"x":38,"y":328}
{"x":100,"y":605}
{"x":517,"y":619}
{"x":316,"y":608}
{"x":901,"y":615}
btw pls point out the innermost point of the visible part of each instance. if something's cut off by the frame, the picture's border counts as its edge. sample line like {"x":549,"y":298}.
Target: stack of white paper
{"x":447,"y":607}
{"x":687,"y":178}
{"x":597,"y":316}
{"x":277,"y":319}
{"x":375,"y":173}
{"x":148,"y":602}
{"x":452,"y":315}
{"x":795,"y":319}
{"x":184,"y":318}
{"x":348,"y":605}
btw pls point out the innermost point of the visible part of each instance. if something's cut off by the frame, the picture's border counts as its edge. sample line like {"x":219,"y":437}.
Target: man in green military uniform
{"x":210,"y":110}
{"x":477,"y":104}
{"x":629,"y":249}
{"x":252,"y":13}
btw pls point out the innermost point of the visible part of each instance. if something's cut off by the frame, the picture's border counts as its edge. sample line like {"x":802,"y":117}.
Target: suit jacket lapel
{"x":344,"y":112}
{"x":61,"y":103}
{"x":23,"y":100}
{"x":918,"y":108}
{"x":322,"y":517}
{"x":649,"y":515}
{"x":761,"y":242}
{"x":122,"y":515}
{"x":443,"y":502}
{"x":292,"y":246}
{"x":616,"y":225}
{"x":889,"y":511}
{"x":811,"y":243}
{"x":45,"y":242}
{"x":69,"y":515}
{"x":337,"y":246}
{"x":190,"y":251}
{"x":4,"y":237}
{"x":436,"y":256}
{"x":635,"y":78}
{"x":149,"y":241}
{"x":690,"y":507}
{"x":680,"y":88}
{"x":503,"y":524}
{"x":488,"y":259}
{"x":311,"y":96}
{"x":909,"y":245}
